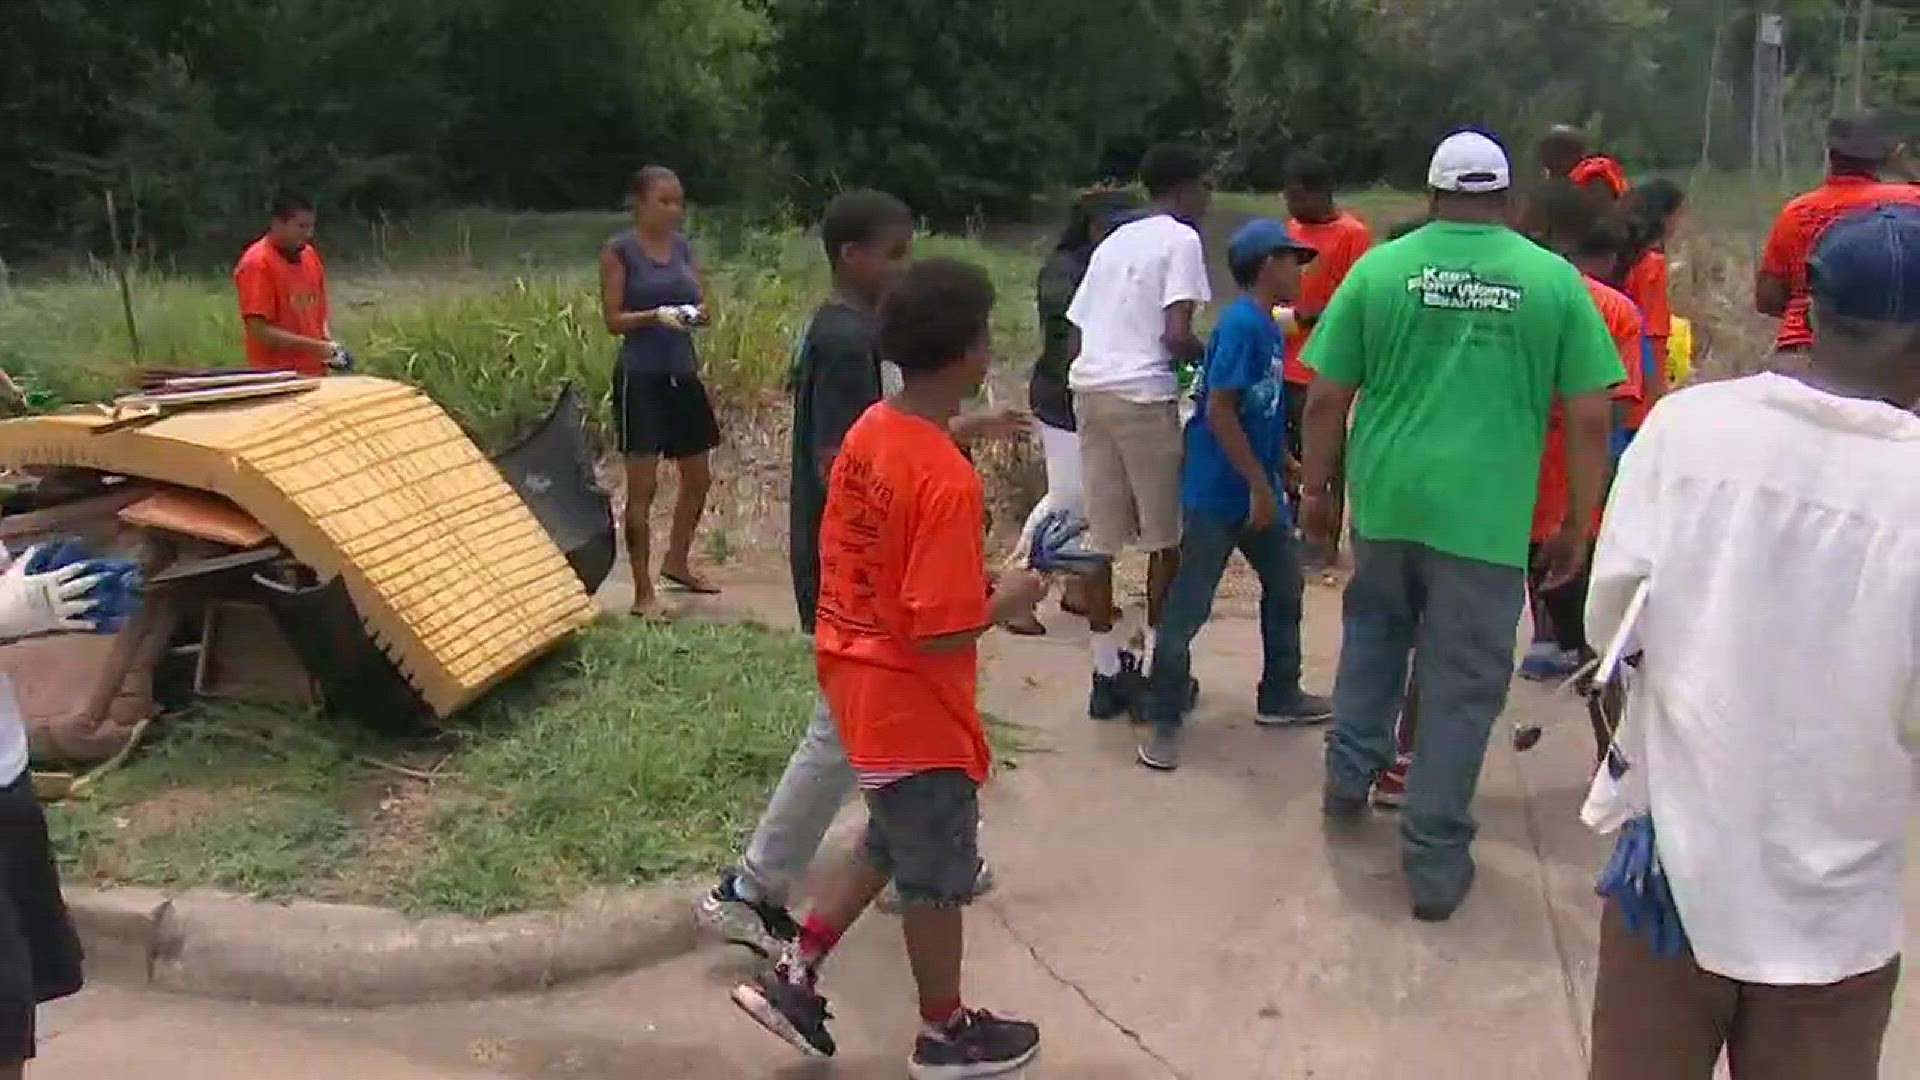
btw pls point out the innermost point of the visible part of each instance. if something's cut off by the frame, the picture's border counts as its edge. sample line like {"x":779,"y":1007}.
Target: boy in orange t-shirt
{"x":903,"y":598}
{"x":1560,"y":641}
{"x":283,"y":295}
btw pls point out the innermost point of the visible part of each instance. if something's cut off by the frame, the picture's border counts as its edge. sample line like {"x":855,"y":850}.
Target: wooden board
{"x":198,"y":514}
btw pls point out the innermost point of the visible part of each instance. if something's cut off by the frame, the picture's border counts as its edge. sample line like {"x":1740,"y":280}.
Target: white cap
{"x":1469,"y":161}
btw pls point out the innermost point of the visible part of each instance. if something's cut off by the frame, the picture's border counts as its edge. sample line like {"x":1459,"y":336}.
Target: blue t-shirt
{"x":1239,"y":357}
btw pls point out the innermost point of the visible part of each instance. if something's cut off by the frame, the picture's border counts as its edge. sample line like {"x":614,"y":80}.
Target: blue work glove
{"x":1635,"y":880}
{"x":117,"y":587}
{"x":1056,"y":547}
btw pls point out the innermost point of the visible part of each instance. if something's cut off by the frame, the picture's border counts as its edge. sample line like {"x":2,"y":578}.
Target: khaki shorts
{"x":1130,"y":467}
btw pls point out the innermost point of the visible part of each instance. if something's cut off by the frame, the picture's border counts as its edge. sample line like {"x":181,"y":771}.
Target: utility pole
{"x":1769,"y":93}
{"x":1863,"y":20}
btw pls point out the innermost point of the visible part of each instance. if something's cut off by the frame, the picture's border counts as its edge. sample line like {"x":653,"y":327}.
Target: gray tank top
{"x":656,"y":350}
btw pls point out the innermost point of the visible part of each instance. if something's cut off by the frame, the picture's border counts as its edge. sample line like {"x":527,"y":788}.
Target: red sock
{"x":817,"y":939}
{"x":941,"y":1014}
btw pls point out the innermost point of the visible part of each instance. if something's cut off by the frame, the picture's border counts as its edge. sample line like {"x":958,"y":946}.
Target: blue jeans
{"x":1462,"y":615}
{"x":1206,"y":543}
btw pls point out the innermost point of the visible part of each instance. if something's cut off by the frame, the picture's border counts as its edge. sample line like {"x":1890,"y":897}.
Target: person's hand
{"x":1319,"y":525}
{"x":55,"y":600}
{"x":1563,"y":555}
{"x":1288,"y":319}
{"x":339,"y":359}
{"x":1263,"y":508}
{"x":669,"y":317}
{"x":1018,"y":591}
{"x":1006,"y":423}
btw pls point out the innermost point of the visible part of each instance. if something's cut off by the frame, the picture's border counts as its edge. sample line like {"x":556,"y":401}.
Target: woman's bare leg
{"x":696,"y":479}
{"x":643,"y":473}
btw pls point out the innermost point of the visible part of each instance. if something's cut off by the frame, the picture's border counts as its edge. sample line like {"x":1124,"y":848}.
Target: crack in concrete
{"x":1543,"y":874}
{"x":1053,"y":973}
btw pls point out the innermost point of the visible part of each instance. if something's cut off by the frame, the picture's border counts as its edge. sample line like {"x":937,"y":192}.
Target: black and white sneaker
{"x":790,"y":1008}
{"x":1114,"y":696}
{"x":764,"y":927}
{"x":976,"y":1043}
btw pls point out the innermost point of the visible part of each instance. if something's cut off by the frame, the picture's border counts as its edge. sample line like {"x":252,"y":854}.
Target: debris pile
{"x":337,"y":541}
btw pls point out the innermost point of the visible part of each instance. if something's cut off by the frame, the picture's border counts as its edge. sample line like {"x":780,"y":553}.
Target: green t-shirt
{"x":1458,"y":337}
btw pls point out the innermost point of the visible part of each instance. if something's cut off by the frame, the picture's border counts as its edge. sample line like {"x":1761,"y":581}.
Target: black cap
{"x":1859,"y":137}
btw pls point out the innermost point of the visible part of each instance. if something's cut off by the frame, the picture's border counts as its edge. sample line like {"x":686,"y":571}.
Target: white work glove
{"x":670,"y":317}
{"x":1289,"y":320}
{"x":45,"y":603}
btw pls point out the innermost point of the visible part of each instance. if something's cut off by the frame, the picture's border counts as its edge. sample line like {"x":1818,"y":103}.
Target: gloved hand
{"x":1635,"y":880}
{"x":117,"y":591}
{"x":1055,"y":547}
{"x":340,"y":359}
{"x":45,"y":601}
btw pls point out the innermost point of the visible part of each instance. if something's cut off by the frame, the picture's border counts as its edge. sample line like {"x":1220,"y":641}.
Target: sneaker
{"x":976,"y":1043}
{"x":1303,"y":711}
{"x":790,"y":1008}
{"x":889,"y":900}
{"x":760,"y":925}
{"x":1390,"y":790}
{"x":1548,"y":663}
{"x":1161,"y":751}
{"x":1115,"y":695}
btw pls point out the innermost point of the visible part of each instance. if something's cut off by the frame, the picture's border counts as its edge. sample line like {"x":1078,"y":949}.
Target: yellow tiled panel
{"x":368,"y":479}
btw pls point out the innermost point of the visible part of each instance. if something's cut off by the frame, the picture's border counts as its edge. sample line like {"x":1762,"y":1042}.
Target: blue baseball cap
{"x":1867,"y":266}
{"x":1262,"y":237}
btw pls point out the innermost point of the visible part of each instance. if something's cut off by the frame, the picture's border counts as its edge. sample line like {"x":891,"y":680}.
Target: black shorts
{"x":924,"y":833}
{"x":39,"y":950}
{"x":668,"y":415}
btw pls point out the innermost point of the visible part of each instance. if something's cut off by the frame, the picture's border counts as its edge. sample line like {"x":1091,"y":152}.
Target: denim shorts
{"x":924,"y":832}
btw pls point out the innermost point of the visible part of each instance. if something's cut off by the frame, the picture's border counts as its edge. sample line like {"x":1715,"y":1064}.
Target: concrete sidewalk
{"x":1193,"y":925}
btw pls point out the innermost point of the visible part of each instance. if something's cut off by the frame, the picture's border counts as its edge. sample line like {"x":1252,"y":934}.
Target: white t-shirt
{"x":1137,"y":272}
{"x":13,"y":729}
{"x":1776,"y":713}
{"x":13,"y":734}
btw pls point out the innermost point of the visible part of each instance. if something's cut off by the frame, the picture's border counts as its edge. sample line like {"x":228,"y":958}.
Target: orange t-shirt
{"x":1339,"y":244}
{"x":902,"y":559}
{"x":1647,"y":286}
{"x":1599,"y":167}
{"x":1624,"y":325}
{"x":289,"y":295}
{"x":1798,"y":229}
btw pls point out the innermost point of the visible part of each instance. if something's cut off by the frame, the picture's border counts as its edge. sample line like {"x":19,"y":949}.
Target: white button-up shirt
{"x":1778,"y":528}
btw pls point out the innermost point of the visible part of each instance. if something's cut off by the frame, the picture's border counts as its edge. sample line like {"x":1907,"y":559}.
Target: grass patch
{"x":488,"y":312}
{"x":636,"y":754}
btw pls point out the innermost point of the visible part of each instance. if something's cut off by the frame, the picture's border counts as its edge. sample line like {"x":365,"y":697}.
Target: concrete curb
{"x":306,"y":953}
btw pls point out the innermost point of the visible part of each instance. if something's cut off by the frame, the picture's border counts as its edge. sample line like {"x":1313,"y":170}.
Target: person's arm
{"x":1185,"y":290}
{"x":701,"y":281}
{"x":1589,"y":420}
{"x":840,"y":381}
{"x":1323,"y":436}
{"x":1016,"y":592}
{"x":942,"y":591}
{"x":1587,"y":367}
{"x":613,"y":290}
{"x":264,"y":332}
{"x":1773,"y":280}
{"x":1238,"y":360}
{"x":1177,"y":334}
{"x":1338,"y":356}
